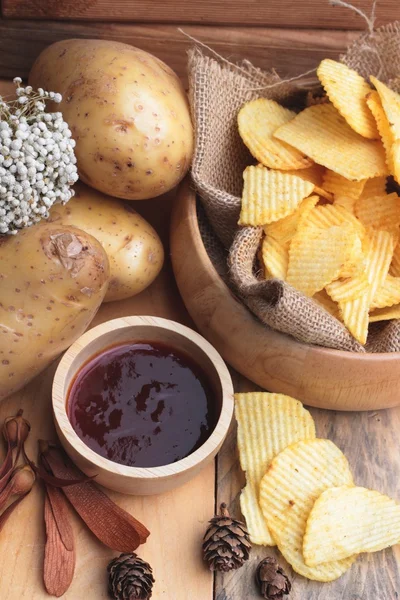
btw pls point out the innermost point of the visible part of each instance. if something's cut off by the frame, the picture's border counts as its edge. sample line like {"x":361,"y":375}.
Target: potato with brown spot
{"x":67,"y":262}
{"x":127,"y":111}
{"x":133,"y":248}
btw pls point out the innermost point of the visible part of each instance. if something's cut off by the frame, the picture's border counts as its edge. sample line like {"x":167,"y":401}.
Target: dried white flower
{"x":37,"y":160}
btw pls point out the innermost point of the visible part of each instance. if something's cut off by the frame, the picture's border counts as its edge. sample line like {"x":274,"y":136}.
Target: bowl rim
{"x":147,"y":473}
{"x":187,"y":187}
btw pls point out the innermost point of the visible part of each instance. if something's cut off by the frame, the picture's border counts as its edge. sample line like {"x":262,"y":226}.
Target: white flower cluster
{"x":37,"y":160}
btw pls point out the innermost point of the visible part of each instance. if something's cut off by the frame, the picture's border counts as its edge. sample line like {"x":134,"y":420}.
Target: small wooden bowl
{"x":133,"y":480}
{"x":317,"y":376}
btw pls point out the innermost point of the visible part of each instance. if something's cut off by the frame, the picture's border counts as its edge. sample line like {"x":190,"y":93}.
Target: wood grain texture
{"x":370,"y":442}
{"x":290,"y":52}
{"x":177,"y":519}
{"x":264,"y":13}
{"x":317,"y":376}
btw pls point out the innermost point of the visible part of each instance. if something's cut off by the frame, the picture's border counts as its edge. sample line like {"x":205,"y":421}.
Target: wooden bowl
{"x":317,"y":376}
{"x":133,"y":480}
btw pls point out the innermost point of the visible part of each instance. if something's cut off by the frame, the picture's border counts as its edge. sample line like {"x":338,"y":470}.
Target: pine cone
{"x":272,"y":580}
{"x":130,"y":578}
{"x":226,"y":544}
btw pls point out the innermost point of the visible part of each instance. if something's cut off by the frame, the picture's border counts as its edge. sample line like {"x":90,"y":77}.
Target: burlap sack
{"x":217,"y":91}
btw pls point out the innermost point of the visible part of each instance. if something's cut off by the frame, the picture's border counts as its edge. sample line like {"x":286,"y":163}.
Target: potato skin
{"x":127,"y":111}
{"x":53,"y":280}
{"x":134,"y":250}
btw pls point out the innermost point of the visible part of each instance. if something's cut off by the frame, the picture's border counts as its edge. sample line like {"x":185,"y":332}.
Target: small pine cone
{"x":130,"y":578}
{"x":226,"y":544}
{"x":272,"y":580}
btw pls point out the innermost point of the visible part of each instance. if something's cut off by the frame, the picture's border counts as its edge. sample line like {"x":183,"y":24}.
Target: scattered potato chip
{"x":323,"y":134}
{"x":376,"y":186}
{"x":295,"y":479}
{"x":317,"y":256}
{"x":346,"y":90}
{"x":348,"y":520}
{"x":351,"y":288}
{"x":267,"y":423}
{"x":395,"y":265}
{"x":391,"y":105}
{"x":284,"y":229}
{"x":388,"y":294}
{"x":324,"y":300}
{"x":385,"y":314}
{"x":270,"y":195}
{"x":380,"y":213}
{"x":275,"y":257}
{"x":377,"y":261}
{"x":257,"y":122}
{"x":340,"y":186}
{"x":375,"y":105}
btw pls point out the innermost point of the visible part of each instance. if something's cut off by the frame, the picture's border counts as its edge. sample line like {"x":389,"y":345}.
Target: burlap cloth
{"x":218,"y":90}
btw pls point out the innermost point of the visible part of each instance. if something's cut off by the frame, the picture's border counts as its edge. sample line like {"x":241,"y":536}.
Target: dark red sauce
{"x":142,"y":405}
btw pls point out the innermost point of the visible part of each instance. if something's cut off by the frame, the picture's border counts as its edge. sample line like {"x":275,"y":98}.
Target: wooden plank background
{"x":267,"y":13}
{"x":290,"y":52}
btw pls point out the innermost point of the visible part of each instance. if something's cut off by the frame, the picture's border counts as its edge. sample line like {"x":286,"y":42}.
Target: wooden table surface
{"x":177,"y":520}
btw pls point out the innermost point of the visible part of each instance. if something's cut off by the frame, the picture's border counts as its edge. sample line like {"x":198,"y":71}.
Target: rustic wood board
{"x":287,"y":13}
{"x":177,"y":519}
{"x":291,"y":52}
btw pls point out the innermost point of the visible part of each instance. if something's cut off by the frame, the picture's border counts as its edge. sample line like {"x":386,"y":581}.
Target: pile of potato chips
{"x":319,"y":192}
{"x":300,"y":493}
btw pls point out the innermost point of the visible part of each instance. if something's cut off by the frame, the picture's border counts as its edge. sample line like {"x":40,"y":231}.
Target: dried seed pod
{"x":112,"y":525}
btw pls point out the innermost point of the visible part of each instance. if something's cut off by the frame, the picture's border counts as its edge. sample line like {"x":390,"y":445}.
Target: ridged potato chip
{"x":270,"y":195}
{"x":317,"y":256}
{"x":267,"y":423}
{"x":395,"y":158}
{"x":391,"y":105}
{"x":382,"y":212}
{"x":385,"y":314}
{"x":395,"y":264}
{"x":388,"y":294}
{"x":257,"y":122}
{"x":275,"y":257}
{"x":340,"y":186}
{"x":377,"y":261}
{"x":349,"y":520}
{"x":315,"y":175}
{"x":376,"y":186}
{"x":295,"y":479}
{"x":345,"y":202}
{"x":323,"y":134}
{"x":351,"y":288}
{"x":323,"y":299}
{"x":375,"y":105}
{"x":330,"y":215}
{"x":284,"y":229}
{"x":346,"y":90}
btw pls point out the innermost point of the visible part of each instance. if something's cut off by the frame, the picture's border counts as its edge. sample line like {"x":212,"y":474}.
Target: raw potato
{"x":127,"y":111}
{"x":53,"y":280}
{"x":133,"y":248}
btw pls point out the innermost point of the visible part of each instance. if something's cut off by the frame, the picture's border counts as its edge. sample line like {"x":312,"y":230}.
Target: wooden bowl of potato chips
{"x":320,"y":377}
{"x":321,"y":206}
